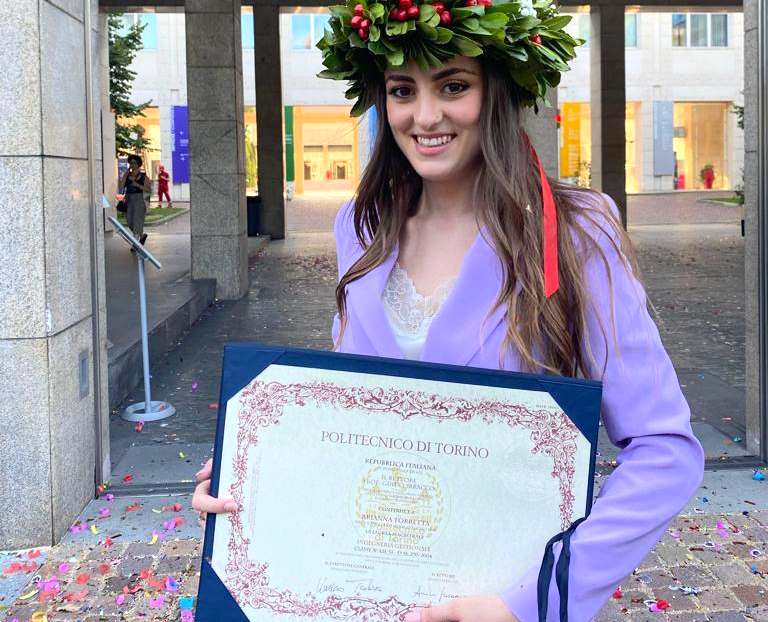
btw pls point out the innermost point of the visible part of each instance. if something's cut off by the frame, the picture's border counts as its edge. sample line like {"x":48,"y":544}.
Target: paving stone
{"x":677,"y":600}
{"x":693,"y":575}
{"x":132,"y":566}
{"x":756,"y":534}
{"x":142,"y":549}
{"x":650,"y":579}
{"x":718,"y":599}
{"x":751,"y":595}
{"x":650,"y":561}
{"x":710,"y":556}
{"x":727,"y":616}
{"x":687,"y":616}
{"x":191,"y":548}
{"x":172,"y":565}
{"x":673,"y":554}
{"x":116,"y":584}
{"x":735,"y":574}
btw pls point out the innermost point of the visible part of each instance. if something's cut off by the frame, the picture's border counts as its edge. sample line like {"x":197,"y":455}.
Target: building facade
{"x":684,"y":75}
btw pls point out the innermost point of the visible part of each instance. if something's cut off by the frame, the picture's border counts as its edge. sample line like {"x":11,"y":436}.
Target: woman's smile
{"x":432,"y":144}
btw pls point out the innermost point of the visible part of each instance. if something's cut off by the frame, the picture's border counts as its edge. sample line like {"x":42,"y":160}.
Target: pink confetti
{"x":120,"y":599}
{"x":64,"y":568}
{"x":109,"y":497}
{"x":195,"y":385}
{"x":104,"y":512}
{"x":156,"y":603}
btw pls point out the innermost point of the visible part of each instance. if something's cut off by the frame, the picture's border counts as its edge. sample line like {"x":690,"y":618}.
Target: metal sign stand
{"x":157,"y":409}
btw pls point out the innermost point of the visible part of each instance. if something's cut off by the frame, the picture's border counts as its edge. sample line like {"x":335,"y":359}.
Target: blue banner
{"x":180,"y":135}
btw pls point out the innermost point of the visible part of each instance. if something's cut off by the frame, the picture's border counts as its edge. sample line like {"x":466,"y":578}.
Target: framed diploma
{"x":368,"y":485}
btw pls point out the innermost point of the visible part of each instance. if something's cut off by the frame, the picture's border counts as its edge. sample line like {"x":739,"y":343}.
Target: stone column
{"x":542,"y":130}
{"x":269,"y":114}
{"x":608,"y":108}
{"x":47,"y":322}
{"x":755,"y":192}
{"x":217,"y":145}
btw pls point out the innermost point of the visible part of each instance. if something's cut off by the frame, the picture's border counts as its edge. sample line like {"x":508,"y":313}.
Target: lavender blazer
{"x":660,"y":464}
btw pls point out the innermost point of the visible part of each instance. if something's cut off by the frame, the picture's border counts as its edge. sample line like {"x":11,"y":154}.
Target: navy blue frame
{"x":579,"y":399}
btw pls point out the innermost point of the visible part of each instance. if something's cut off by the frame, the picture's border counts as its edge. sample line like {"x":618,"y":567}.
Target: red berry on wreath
{"x":393,"y":12}
{"x":359,"y":9}
{"x":470,"y":3}
{"x":536,"y":39}
{"x":365,"y":24}
{"x":439,"y":7}
{"x":405,"y":4}
{"x":413,"y":12}
{"x":356,"y":21}
{"x":402,"y":15}
{"x":486,"y":3}
{"x":445,"y":18}
{"x":362,"y":33}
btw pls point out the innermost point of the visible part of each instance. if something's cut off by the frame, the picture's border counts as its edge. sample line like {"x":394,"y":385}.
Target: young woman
{"x":136,"y":183}
{"x":458,"y":250}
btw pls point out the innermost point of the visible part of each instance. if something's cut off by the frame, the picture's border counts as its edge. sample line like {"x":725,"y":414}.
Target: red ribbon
{"x":551,"y":274}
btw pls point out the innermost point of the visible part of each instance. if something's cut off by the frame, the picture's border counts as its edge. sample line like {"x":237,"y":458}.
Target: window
{"x":679,"y":30}
{"x":630,"y":30}
{"x":700,"y":30}
{"x":307,"y":29}
{"x":720,"y":31}
{"x":149,"y":34}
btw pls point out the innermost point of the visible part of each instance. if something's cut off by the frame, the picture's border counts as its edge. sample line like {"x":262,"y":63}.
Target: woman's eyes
{"x":449,"y":88}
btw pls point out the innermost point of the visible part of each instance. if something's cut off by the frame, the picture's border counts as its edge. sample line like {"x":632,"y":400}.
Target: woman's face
{"x":434,"y":116}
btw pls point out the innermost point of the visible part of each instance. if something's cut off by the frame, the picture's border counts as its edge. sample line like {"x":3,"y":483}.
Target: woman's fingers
{"x":435,"y":613}
{"x":202,"y":500}
{"x":205,"y":472}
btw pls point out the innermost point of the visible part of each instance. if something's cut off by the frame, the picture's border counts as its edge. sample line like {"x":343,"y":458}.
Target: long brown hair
{"x":550,"y":335}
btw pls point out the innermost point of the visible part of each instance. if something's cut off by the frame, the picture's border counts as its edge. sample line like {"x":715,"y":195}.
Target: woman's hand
{"x":475,"y":609}
{"x":203,"y":502}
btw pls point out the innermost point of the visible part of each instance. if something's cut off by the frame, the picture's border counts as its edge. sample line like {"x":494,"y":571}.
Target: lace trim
{"x":410,"y":310}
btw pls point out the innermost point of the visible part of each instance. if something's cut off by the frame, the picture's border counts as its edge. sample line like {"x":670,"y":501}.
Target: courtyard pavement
{"x":135,"y":556}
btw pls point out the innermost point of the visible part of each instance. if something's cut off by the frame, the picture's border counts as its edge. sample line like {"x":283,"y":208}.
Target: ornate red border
{"x":262,"y":404}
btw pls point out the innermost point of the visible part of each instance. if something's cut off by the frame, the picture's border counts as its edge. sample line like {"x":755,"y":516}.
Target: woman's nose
{"x":427,"y":113}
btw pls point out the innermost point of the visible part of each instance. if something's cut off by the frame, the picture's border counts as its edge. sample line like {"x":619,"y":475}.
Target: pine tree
{"x":129,"y":137}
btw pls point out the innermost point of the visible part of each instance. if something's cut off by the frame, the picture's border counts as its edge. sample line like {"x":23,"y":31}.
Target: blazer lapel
{"x":364,"y":297}
{"x":455,"y":332}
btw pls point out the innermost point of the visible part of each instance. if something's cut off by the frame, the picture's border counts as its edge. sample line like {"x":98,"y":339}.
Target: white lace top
{"x":409,"y":312}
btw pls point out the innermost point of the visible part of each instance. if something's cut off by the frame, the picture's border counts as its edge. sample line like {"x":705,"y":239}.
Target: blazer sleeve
{"x":344,"y":237}
{"x":660,"y":464}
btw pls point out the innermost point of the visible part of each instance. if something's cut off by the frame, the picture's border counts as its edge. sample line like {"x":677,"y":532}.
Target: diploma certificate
{"x":364,"y":493}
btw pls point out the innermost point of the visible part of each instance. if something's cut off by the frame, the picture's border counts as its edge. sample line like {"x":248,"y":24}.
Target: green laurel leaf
{"x":466,"y":46}
{"x":377,"y":10}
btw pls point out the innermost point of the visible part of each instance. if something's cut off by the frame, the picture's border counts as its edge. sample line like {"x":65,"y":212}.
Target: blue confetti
{"x":705,"y":499}
{"x":186,"y":602}
{"x":758,"y":476}
{"x":754,"y":568}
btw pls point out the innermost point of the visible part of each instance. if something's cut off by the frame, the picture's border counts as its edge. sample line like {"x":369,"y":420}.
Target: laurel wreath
{"x":526,"y":37}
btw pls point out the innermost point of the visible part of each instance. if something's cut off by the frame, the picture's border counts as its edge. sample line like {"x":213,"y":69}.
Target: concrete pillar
{"x":50,"y":337}
{"x":542,"y":130}
{"x":216,"y":142}
{"x":608,"y":108}
{"x":755,"y":192}
{"x":269,"y":115}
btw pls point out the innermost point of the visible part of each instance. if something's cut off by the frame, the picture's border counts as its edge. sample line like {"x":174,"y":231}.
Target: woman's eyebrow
{"x":451,"y":71}
{"x":399,"y":78}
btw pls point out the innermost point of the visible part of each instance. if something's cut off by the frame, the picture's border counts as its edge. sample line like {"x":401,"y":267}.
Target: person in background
{"x":163,"y":179}
{"x":136,"y":183}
